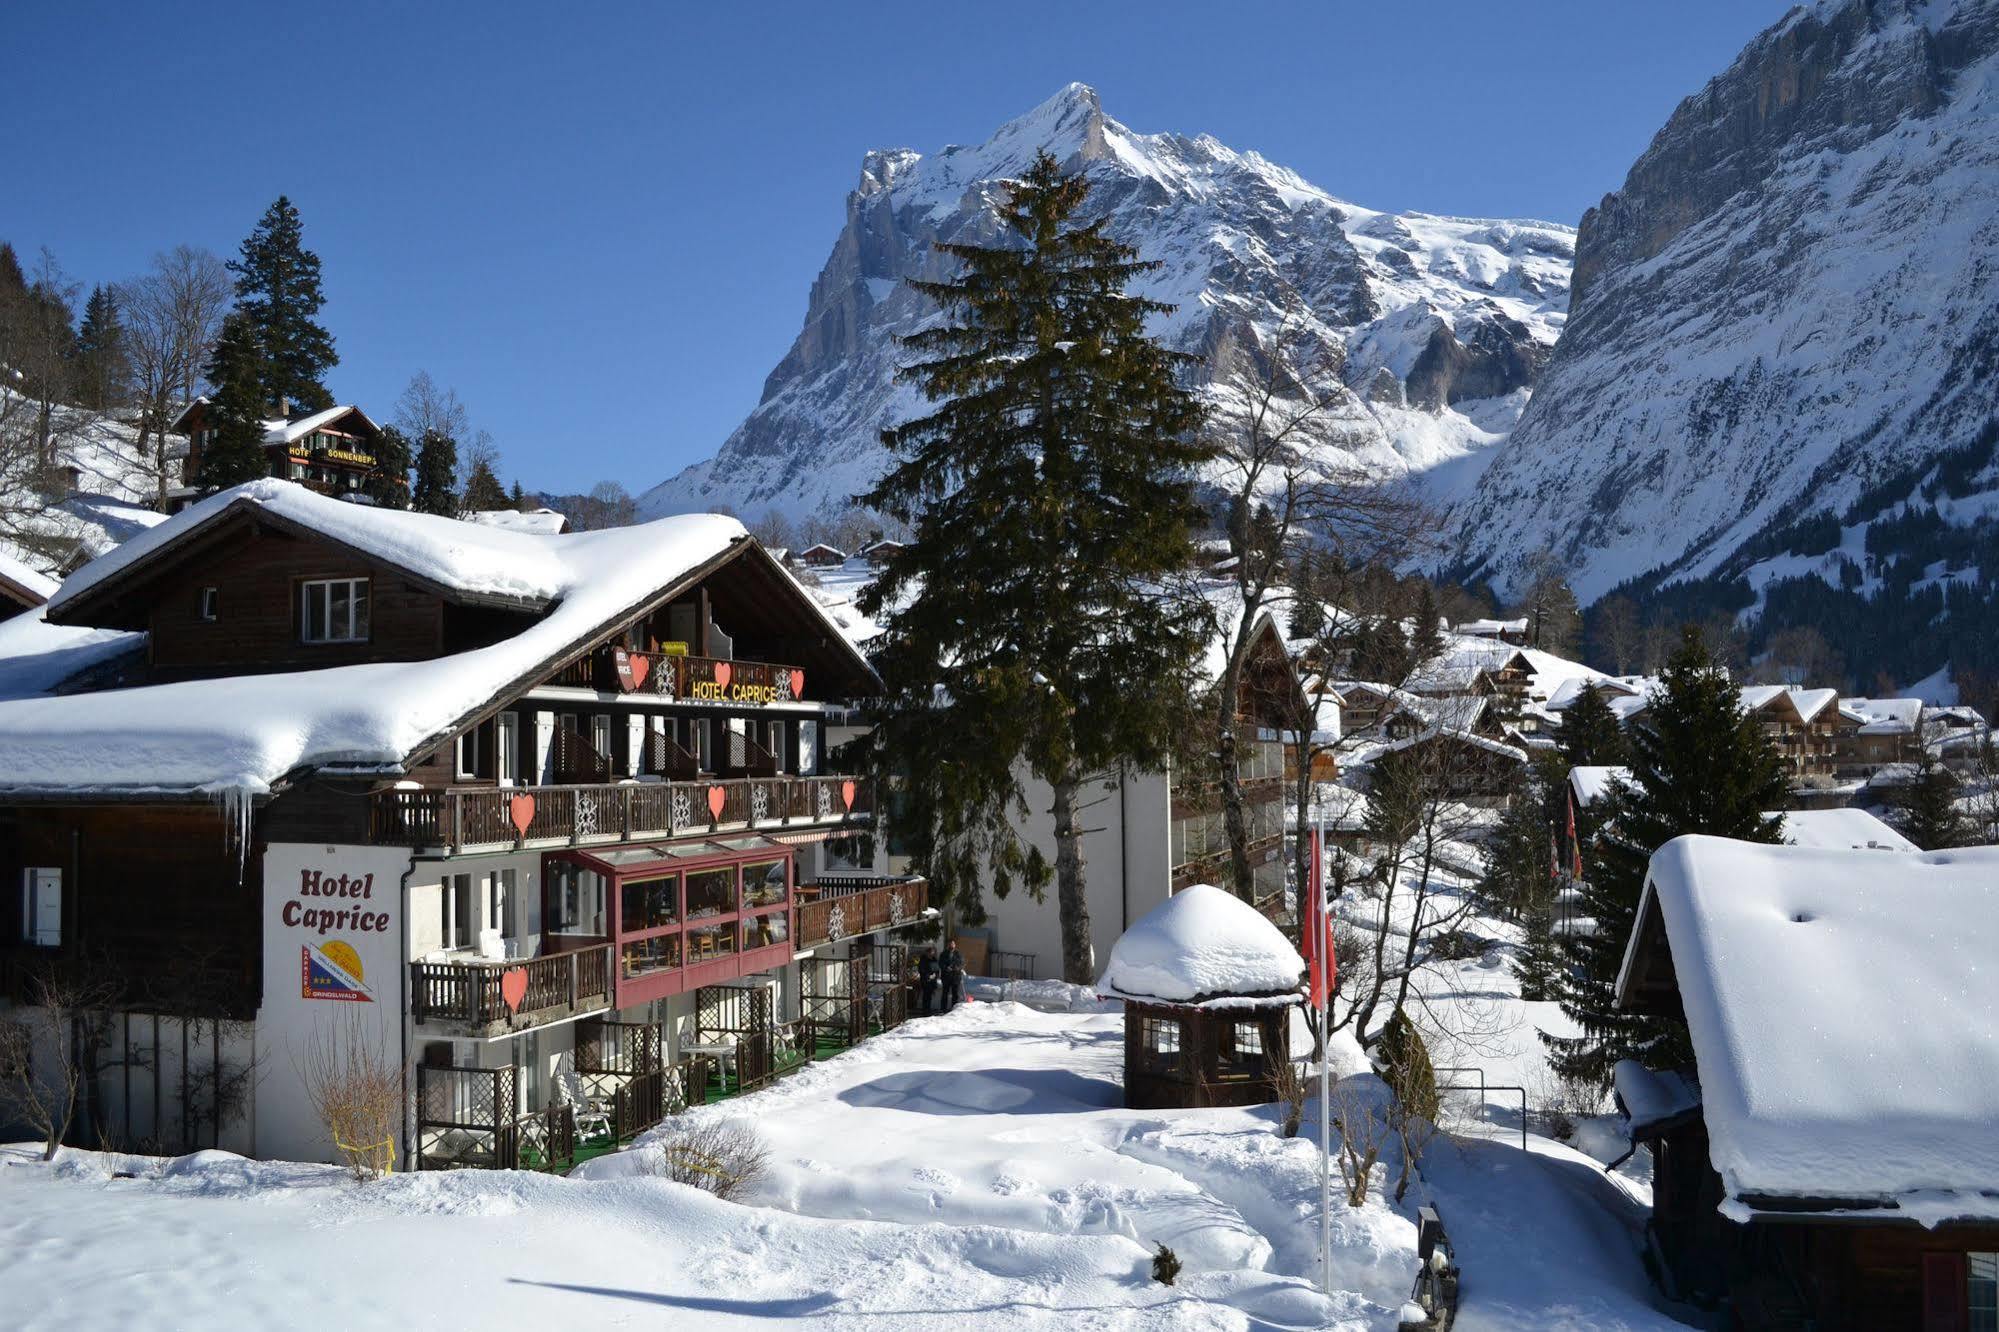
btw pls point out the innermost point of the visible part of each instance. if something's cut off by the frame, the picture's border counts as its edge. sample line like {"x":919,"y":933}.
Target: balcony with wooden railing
{"x":460,"y":816}
{"x":675,"y":677}
{"x":842,"y":906}
{"x":483,"y":997}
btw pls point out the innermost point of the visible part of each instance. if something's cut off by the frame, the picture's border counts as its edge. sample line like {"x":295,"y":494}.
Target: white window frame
{"x":467,"y":763}
{"x":41,"y":906}
{"x":359,"y":624}
{"x":208,"y":604}
{"x":808,"y":747}
{"x":457,"y":910}
{"x":507,"y":748}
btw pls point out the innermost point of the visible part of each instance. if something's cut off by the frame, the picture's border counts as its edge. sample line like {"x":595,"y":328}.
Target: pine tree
{"x":390,"y":484}
{"x":517,"y":498}
{"x":1929,"y":814}
{"x":1698,"y":765}
{"x":1426,"y":638}
{"x":277,"y":288}
{"x":483,"y":491}
{"x":1589,"y":735}
{"x":1519,"y":864}
{"x":1049,"y":496}
{"x":436,"y":487}
{"x":103,"y":360}
{"x":234,"y":450}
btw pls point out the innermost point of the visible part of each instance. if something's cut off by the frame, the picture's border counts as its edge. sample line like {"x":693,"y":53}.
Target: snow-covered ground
{"x":974,"y":1170}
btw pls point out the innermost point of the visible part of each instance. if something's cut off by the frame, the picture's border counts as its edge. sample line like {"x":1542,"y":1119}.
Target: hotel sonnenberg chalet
{"x":546,"y":822}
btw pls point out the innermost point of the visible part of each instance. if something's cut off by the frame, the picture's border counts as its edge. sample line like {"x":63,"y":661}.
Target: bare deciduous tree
{"x":50,"y":1054}
{"x":1283,"y":492}
{"x":355,"y":1087}
{"x":173,"y":315}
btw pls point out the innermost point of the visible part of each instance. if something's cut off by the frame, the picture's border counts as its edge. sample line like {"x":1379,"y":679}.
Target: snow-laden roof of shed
{"x":1202,"y":946}
{"x":1841,"y":1006}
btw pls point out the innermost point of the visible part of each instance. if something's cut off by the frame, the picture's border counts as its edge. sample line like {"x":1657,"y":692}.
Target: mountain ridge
{"x":1442,"y":323}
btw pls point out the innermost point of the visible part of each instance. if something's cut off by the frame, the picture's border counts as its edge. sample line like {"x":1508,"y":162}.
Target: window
{"x":763,"y":883}
{"x":650,"y":904}
{"x":600,"y":735}
{"x":471,"y":756}
{"x":207,"y":604}
{"x":507,"y":747}
{"x":334,"y":610}
{"x":456,"y":920}
{"x":808,"y":748}
{"x":1982,"y":1292}
{"x":576,"y":901}
{"x":697,"y":744}
{"x":41,"y":906}
{"x":711,"y":893}
{"x":499,"y":896}
{"x":775,"y":732}
{"x":1161,"y":1040}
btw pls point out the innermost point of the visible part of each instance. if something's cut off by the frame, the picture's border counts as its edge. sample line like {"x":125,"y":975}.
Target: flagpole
{"x":1323,"y":993}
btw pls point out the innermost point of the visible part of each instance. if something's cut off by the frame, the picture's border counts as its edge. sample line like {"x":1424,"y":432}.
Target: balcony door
{"x":507,"y":748}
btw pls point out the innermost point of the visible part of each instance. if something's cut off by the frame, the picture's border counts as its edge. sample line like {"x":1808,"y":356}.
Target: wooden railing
{"x":486,"y":815}
{"x":614,"y":670}
{"x":471,"y":991}
{"x":841,"y":906}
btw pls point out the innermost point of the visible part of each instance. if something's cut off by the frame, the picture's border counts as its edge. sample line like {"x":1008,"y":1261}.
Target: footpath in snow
{"x":970,"y":1171}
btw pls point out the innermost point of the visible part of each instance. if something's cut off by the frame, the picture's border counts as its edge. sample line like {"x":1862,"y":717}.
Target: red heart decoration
{"x":723,"y":673}
{"x":716,"y":795}
{"x":641,"y":668}
{"x":514,"y":987}
{"x":847,"y":794}
{"x":798,"y":684}
{"x":520,"y":809}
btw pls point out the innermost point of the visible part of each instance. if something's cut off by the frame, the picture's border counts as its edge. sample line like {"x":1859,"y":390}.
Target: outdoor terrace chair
{"x":592,"y":1117}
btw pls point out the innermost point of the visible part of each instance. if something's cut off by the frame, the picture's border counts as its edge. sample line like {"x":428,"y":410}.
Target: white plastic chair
{"x":724,"y":1051}
{"x":590,"y":1114}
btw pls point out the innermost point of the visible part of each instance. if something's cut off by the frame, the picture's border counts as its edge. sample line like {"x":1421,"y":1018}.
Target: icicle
{"x":237,"y":809}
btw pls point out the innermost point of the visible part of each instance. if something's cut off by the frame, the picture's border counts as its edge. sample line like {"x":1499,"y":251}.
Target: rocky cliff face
{"x":1443,"y":323}
{"x":1794,"y":296}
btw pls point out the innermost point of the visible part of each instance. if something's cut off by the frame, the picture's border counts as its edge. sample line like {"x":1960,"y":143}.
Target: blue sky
{"x":599,"y":222}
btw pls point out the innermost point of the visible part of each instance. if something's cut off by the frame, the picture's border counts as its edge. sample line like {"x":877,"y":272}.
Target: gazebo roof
{"x":1203,"y":947}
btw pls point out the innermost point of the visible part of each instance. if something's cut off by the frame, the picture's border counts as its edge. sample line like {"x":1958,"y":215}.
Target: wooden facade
{"x":1191,"y":1055}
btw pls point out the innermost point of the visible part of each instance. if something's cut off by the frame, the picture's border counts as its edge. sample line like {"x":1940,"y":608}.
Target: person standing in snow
{"x":953,"y":963}
{"x":926,"y":977}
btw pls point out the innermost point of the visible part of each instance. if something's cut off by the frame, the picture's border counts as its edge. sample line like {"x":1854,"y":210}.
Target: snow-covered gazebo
{"x":1208,"y":984}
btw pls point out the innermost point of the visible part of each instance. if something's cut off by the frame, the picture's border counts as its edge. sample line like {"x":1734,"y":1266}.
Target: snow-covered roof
{"x":1808,"y":702}
{"x":36,"y":656}
{"x":286,"y":430}
{"x":538,"y":522}
{"x":1201,"y":946}
{"x":1840,"y":1004}
{"x":35,"y":584}
{"x":1489,"y":628}
{"x":248,"y":733}
{"x":1650,"y":1099}
{"x":1842,"y":829}
{"x":1591,"y":782}
{"x":461,"y":557}
{"x":1884,"y":716}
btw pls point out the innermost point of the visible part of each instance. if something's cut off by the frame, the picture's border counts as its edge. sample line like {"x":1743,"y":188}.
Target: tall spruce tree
{"x":483,"y":491}
{"x":1426,"y":637}
{"x":234,"y":450}
{"x":390,"y":483}
{"x":277,"y":289}
{"x":1049,"y":496}
{"x":1589,"y":735}
{"x":103,"y":358}
{"x":1698,"y":764}
{"x":436,"y":486}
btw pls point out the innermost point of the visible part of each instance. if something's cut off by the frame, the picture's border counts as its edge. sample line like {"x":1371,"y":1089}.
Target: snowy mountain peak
{"x":1442,"y":323}
{"x":1788,"y":304}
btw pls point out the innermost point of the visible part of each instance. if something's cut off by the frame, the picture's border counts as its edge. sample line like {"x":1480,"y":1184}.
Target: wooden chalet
{"x":822,"y":556}
{"x":557,"y":816}
{"x":1828,"y":1161}
{"x":332,"y":452}
{"x":1802,"y":724}
{"x":1870,"y":734}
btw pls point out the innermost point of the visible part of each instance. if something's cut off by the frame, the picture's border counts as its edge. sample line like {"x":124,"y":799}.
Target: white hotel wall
{"x":1127,"y":849}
